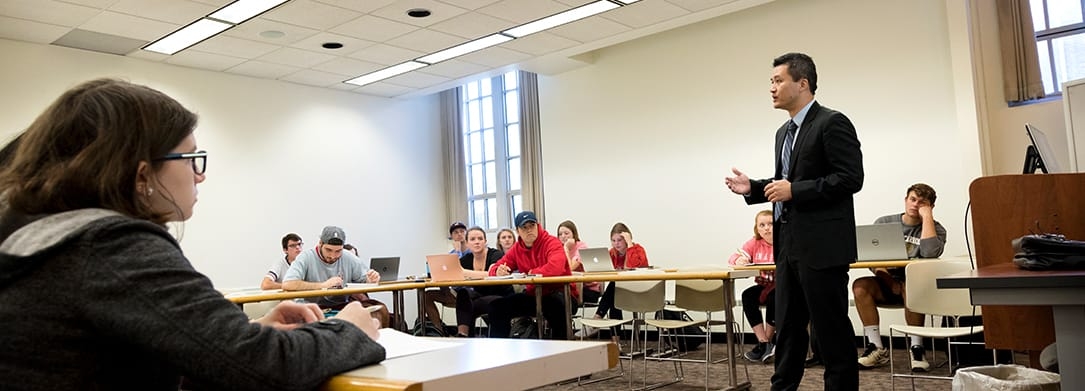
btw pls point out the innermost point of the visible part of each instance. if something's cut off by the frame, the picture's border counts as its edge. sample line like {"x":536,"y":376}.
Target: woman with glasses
{"x":94,"y":291}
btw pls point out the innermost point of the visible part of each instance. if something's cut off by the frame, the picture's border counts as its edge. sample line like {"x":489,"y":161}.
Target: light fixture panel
{"x":242,"y":10}
{"x":187,"y":36}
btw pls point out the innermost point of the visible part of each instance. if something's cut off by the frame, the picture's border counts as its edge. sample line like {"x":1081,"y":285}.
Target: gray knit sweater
{"x":94,"y":300}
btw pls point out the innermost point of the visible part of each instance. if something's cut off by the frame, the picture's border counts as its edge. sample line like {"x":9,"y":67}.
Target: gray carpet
{"x":759,"y":374}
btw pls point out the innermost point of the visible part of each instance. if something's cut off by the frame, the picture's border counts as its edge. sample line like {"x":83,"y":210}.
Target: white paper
{"x":398,"y":344}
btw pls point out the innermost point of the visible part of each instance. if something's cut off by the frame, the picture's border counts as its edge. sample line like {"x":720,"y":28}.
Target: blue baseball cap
{"x":524,"y":217}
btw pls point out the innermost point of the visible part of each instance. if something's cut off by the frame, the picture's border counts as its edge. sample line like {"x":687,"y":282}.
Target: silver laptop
{"x":596,"y":260}
{"x":880,"y":242}
{"x":388,"y":267}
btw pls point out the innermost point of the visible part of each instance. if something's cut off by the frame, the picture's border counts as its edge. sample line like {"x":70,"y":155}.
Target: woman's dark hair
{"x":572,"y":227}
{"x":85,"y":149}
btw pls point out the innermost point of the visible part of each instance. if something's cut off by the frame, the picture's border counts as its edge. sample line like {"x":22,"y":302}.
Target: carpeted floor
{"x":759,"y":374}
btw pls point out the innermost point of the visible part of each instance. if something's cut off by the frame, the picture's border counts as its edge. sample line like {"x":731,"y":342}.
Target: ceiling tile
{"x":252,"y":29}
{"x":349,"y":67}
{"x":438,"y":12}
{"x":198,"y":59}
{"x":311,"y":14}
{"x":98,"y":42}
{"x":172,"y":11}
{"x":262,"y":69}
{"x":149,"y":56}
{"x":455,"y":69}
{"x":100,"y":4}
{"x":523,"y":11}
{"x":588,"y":30}
{"x":645,"y":13}
{"x":427,"y":41}
{"x":236,"y":47}
{"x":575,"y":3}
{"x":29,"y":31}
{"x":383,"y":89}
{"x":469,"y":4}
{"x":540,"y":43}
{"x":365,"y":6}
{"x":698,"y":5}
{"x":314,"y":43}
{"x":372,"y":28}
{"x":472,"y":25}
{"x":344,"y":86}
{"x":217,"y":3}
{"x":417,"y":79}
{"x":313,"y":78}
{"x":296,"y":57}
{"x":129,"y":26}
{"x":51,"y":12}
{"x":385,"y":54}
{"x":494,"y":57}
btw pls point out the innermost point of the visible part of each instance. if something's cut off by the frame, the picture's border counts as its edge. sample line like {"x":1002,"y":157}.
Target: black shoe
{"x":757,"y":352}
{"x":813,"y":362}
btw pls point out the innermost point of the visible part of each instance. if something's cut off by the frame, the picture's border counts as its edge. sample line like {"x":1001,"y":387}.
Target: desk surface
{"x":258,"y":296}
{"x":1007,"y":275}
{"x":856,"y":265}
{"x":513,"y":364}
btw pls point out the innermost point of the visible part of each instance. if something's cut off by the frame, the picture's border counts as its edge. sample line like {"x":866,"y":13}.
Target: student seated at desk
{"x":570,"y":241}
{"x":96,"y":293}
{"x":473,"y":302}
{"x":924,"y":238}
{"x":274,"y":277}
{"x":625,"y":255}
{"x":758,"y":251}
{"x":327,"y":266}
{"x":505,"y":239}
{"x":540,"y":253}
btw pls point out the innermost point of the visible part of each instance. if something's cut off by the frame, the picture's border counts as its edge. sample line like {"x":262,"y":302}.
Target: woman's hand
{"x":289,"y":315}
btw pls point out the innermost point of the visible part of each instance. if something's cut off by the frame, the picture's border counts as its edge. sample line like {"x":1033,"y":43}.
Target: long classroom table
{"x":855,"y":265}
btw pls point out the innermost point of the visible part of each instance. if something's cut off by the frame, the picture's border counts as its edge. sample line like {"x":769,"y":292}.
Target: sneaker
{"x":755,"y":354}
{"x":586,"y":332}
{"x":919,"y":364}
{"x":873,"y":357}
{"x":770,"y":351}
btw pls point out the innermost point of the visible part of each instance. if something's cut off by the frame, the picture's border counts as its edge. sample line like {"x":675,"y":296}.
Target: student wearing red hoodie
{"x":535,"y":252}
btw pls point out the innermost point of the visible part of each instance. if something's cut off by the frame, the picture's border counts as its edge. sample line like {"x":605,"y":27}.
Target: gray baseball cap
{"x":333,"y":235}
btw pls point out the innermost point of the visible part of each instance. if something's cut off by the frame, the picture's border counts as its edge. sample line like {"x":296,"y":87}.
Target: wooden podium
{"x":1007,"y":207}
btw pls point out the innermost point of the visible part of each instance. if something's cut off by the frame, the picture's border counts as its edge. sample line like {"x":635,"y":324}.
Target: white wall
{"x":283,"y":158}
{"x":647,"y":133}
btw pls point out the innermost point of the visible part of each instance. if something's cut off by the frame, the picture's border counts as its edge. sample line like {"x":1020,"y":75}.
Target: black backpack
{"x":524,"y":327}
{"x":430,"y":330}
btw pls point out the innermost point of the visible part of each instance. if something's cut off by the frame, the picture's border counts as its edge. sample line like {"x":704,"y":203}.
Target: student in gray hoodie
{"x":94,"y":291}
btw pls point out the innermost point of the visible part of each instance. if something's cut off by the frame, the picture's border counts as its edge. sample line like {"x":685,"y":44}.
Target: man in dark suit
{"x":818,"y":168}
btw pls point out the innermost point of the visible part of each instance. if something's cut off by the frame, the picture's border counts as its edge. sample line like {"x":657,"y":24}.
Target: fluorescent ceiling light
{"x":465,"y":48}
{"x":187,"y":36}
{"x":386,"y":73}
{"x":560,"y":19}
{"x":242,"y":10}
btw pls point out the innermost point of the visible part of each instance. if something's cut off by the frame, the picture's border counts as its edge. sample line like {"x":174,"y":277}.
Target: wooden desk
{"x":1005,"y":284}
{"x":856,"y":265}
{"x":396,"y":288}
{"x":483,"y":363}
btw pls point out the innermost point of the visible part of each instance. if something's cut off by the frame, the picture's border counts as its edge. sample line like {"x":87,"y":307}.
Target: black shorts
{"x":887,"y":292}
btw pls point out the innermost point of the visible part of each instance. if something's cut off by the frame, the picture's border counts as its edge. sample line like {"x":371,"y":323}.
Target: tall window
{"x":1060,"y":40}
{"x":491,"y":125}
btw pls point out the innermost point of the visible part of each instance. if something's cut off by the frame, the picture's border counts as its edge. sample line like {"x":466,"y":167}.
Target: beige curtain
{"x":531,"y":146}
{"x":1020,"y":63}
{"x":455,"y":166}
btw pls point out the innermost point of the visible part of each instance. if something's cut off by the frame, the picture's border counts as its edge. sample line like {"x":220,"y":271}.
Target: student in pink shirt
{"x":758,"y":250}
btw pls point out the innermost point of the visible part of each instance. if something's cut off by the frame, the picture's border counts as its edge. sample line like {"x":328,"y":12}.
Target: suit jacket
{"x":817,"y":226}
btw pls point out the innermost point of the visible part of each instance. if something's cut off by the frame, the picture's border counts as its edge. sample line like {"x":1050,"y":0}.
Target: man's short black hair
{"x":799,"y":66}
{"x":289,"y":237}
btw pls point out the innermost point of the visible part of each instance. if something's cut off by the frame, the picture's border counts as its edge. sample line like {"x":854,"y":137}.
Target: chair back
{"x":639,"y":296}
{"x":923,"y":295}
{"x":699,"y":295}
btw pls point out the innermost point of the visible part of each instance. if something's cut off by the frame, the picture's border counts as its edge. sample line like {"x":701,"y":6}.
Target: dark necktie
{"x":785,"y":162}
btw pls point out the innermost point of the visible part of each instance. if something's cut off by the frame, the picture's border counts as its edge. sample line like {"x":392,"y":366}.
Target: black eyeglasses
{"x":199,"y":160}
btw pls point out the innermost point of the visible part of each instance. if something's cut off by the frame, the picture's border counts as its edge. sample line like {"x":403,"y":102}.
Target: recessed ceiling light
{"x":272,"y":34}
{"x":418,"y":12}
{"x":331,"y":45}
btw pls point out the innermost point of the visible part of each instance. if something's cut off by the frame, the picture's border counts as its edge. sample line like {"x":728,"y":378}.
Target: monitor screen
{"x":1047,"y":155}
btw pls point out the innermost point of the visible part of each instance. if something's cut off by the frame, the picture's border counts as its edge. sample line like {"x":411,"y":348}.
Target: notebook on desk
{"x":388,"y":267}
{"x":880,"y":242}
{"x":596,"y":260}
{"x":444,"y":267}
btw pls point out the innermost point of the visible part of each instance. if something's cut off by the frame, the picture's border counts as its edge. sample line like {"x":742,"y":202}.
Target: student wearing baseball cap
{"x":540,"y":253}
{"x":328,"y":266}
